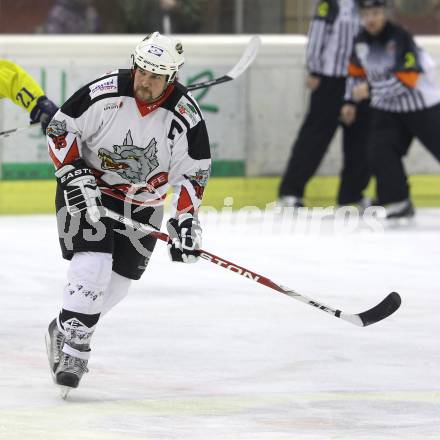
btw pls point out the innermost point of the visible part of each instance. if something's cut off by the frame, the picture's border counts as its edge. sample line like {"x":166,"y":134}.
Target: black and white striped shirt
{"x":331,"y":35}
{"x":401,"y":75}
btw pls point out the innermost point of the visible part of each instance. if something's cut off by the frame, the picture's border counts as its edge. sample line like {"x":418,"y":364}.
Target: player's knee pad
{"x":88,"y":277}
{"x":116,"y":291}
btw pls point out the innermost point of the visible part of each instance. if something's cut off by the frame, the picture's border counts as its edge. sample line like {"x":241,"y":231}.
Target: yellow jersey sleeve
{"x":18,"y":86}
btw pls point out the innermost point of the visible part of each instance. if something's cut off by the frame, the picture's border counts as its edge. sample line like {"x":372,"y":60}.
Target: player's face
{"x":373,"y":19}
{"x":148,"y":86}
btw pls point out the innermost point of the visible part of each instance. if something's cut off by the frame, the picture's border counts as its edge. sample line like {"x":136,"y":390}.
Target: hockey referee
{"x":331,"y":35}
{"x":398,"y":76}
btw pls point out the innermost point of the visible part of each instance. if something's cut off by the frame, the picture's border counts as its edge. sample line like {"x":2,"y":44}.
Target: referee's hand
{"x":348,"y":114}
{"x":361,"y":92}
{"x":313,"y":82}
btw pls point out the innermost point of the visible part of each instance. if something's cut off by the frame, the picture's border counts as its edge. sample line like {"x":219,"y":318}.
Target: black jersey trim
{"x":80,"y":101}
{"x":198,"y":142}
{"x":173,"y":99}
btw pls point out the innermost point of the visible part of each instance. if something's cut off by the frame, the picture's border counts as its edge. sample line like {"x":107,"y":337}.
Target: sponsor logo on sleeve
{"x":188,"y":111}
{"x":113,"y":106}
{"x":107,"y":85}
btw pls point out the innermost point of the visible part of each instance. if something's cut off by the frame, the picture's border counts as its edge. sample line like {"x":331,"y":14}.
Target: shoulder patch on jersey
{"x":327,"y":10}
{"x":104,"y":86}
{"x":57,"y":131}
{"x":410,"y":60}
{"x":189,"y":111}
{"x":323,"y":9}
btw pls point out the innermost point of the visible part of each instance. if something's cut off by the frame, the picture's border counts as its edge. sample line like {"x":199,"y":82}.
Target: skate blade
{"x":47,"y":339}
{"x":64,"y":391}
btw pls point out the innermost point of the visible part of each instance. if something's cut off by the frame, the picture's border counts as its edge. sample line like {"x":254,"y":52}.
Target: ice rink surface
{"x":198,"y":353}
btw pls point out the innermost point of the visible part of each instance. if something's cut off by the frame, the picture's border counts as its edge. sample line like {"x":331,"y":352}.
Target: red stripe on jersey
{"x":55,"y":161}
{"x":184,"y":204}
{"x":122,"y":196}
{"x":72,"y":154}
{"x":158,"y":180}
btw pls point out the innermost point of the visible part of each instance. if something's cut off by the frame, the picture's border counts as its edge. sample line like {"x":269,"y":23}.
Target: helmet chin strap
{"x":161,"y":95}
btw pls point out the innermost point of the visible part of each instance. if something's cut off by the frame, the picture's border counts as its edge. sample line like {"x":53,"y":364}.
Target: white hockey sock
{"x":88,"y":276}
{"x":116,"y":291}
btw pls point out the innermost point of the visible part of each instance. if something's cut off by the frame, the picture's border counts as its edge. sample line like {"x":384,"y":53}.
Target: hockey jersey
{"x":135,"y":151}
{"x":18,"y":86}
{"x":400,"y":74}
{"x":331,"y":35}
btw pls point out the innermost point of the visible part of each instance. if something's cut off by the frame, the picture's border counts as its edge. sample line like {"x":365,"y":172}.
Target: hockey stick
{"x":12,"y":131}
{"x":381,"y":311}
{"x":243,"y":63}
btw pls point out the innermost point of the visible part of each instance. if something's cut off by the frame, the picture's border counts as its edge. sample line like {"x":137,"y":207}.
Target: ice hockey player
{"x":331,"y":35}
{"x":18,"y":86}
{"x":398,"y":76}
{"x":120,"y":142}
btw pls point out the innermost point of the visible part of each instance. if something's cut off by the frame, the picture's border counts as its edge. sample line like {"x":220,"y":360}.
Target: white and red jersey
{"x":136,"y":151}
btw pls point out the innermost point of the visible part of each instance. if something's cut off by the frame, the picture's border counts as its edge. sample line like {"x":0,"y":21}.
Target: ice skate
{"x":363,"y":204}
{"x":72,"y":366}
{"x":54,"y":344}
{"x":400,"y":214}
{"x":290,"y":202}
{"x":67,"y":362}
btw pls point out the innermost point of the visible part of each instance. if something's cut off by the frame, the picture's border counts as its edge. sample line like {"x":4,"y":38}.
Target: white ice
{"x":199,"y":353}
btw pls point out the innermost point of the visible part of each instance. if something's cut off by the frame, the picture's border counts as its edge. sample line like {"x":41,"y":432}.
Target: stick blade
{"x":247,"y":58}
{"x":382,"y":310}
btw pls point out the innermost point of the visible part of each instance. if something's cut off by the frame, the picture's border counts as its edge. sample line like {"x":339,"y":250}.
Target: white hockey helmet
{"x":159,"y":54}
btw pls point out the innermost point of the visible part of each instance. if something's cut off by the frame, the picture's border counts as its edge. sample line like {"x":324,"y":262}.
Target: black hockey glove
{"x":81,"y":192}
{"x":43,"y":112}
{"x":185,"y":238}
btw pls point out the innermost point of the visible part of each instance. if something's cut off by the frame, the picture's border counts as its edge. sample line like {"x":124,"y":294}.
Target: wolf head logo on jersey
{"x":131,"y":162}
{"x":199,"y":180}
{"x":57,"y":131}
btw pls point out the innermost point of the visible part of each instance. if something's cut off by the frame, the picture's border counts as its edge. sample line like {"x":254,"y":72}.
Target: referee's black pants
{"x":391,"y":136}
{"x":315,"y":136}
